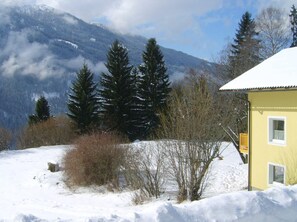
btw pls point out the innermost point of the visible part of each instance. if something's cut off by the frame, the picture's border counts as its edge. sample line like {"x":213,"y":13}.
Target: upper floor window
{"x":277,"y":130}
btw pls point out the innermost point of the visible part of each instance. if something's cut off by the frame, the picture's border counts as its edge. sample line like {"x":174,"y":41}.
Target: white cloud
{"x":16,"y":2}
{"x":5,"y":19}
{"x":70,"y":20}
{"x":22,"y":57}
{"x":76,"y":63}
{"x":146,"y":17}
{"x":172,"y":22}
{"x":140,"y":16}
{"x":25,"y":58}
{"x":87,"y":9}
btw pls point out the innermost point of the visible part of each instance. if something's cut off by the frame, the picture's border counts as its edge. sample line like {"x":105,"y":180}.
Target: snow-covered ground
{"x":29,"y":192}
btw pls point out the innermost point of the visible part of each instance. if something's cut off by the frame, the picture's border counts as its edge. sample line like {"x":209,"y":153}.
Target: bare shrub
{"x":289,"y":159}
{"x":232,"y":107}
{"x":139,"y":197}
{"x":191,"y":126}
{"x":95,"y":160}
{"x":5,"y":139}
{"x":54,"y":131}
{"x":145,"y":170}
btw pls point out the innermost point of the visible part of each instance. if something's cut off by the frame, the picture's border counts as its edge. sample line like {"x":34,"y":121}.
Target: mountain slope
{"x":41,"y":49}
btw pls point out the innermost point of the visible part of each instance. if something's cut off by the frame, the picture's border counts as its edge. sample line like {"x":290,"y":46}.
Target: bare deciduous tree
{"x":233,"y":107}
{"x":191,"y":127}
{"x":145,"y":170}
{"x":273,"y":27}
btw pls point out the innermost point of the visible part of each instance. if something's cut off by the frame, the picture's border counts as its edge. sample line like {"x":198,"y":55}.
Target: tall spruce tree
{"x":136,"y":127}
{"x":42,"y":111}
{"x":154,"y":88}
{"x":245,"y":51}
{"x":293,"y":21}
{"x":244,"y":55}
{"x":83,"y":101}
{"x":117,"y":91}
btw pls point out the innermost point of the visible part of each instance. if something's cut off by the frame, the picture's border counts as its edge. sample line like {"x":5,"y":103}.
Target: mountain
{"x":42,"y":48}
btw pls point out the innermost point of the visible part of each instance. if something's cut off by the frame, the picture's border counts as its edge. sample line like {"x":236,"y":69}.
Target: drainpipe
{"x":249,"y":147}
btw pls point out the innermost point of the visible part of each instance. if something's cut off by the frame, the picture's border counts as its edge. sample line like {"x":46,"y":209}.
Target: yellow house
{"x":272,"y":98}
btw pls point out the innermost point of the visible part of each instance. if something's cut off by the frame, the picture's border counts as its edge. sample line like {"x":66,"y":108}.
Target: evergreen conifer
{"x":42,"y":111}
{"x":83,"y":102}
{"x":154,"y":88}
{"x":117,"y":91}
{"x":246,"y":47}
{"x":136,"y":127}
{"x":293,"y":21}
{"x":244,"y":55}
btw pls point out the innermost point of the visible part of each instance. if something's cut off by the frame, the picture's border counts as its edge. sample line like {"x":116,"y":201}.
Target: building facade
{"x":272,"y":96}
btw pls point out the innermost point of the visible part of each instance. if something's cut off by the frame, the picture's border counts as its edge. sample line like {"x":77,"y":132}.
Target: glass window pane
{"x":278,"y":174}
{"x":278,"y":129}
{"x":278,"y":124}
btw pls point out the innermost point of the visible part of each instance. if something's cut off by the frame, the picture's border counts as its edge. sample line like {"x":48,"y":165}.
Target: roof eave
{"x":261,"y":89}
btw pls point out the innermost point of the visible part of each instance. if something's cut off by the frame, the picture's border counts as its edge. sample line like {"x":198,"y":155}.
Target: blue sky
{"x":198,"y":27}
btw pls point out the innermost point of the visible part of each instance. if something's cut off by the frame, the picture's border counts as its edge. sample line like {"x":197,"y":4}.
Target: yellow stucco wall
{"x":273,"y":104}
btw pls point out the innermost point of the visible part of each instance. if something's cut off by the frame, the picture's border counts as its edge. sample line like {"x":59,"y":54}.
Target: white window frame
{"x":270,"y":131}
{"x":270,"y":175}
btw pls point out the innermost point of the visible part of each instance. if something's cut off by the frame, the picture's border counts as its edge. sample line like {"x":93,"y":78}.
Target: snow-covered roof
{"x":277,"y":72}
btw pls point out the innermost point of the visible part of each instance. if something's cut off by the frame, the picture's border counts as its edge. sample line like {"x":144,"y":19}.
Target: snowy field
{"x":29,"y":192}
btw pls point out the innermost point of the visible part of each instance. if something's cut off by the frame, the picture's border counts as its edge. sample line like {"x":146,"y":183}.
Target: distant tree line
{"x":127,"y":100}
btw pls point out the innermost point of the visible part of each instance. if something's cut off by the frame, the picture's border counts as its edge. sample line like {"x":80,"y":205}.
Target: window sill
{"x":276,"y":184}
{"x":277,"y":143}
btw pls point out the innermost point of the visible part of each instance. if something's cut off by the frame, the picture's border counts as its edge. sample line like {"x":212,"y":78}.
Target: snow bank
{"x":274,"y":205}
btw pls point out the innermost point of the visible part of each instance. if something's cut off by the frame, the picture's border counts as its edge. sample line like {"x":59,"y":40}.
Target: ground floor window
{"x":276,"y":173}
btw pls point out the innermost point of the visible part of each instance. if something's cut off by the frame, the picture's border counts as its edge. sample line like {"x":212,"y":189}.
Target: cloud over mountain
{"x":27,"y":58}
{"x":176,"y":24}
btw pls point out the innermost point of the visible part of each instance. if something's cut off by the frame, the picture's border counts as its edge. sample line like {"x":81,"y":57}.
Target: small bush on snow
{"x":95,"y":160}
{"x":145,"y":170}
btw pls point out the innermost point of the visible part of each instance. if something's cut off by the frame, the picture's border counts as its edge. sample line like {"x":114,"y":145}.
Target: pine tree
{"x":246,"y":47}
{"x":154,"y":87}
{"x":117,"y":91}
{"x":244,"y":55}
{"x":293,"y":21}
{"x":136,"y":127}
{"x":42,"y":111}
{"x":83,"y":101}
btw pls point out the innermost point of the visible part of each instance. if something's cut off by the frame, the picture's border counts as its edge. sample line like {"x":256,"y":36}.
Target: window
{"x":277,"y":132}
{"x":276,"y":174}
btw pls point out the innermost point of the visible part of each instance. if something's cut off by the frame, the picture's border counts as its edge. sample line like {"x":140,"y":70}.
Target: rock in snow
{"x":53,"y":167}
